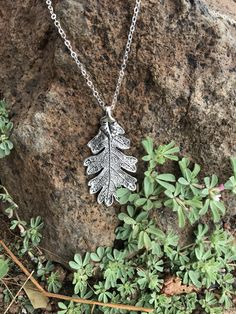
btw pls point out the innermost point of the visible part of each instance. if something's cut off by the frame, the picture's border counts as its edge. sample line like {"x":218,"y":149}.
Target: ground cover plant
{"x":149,"y":267}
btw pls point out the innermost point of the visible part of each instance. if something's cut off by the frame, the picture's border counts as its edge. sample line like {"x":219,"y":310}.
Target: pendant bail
{"x":108,"y":111}
{"x":109,"y":117}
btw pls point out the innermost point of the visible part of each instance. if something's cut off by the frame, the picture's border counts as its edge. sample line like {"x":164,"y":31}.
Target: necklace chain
{"x":80,"y":65}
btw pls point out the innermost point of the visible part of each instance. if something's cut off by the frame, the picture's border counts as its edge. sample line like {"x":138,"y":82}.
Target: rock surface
{"x":180,"y":84}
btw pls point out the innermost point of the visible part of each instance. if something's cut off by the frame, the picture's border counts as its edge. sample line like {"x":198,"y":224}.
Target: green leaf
{"x":123,"y":195}
{"x":135,"y":231}
{"x":196,"y":170}
{"x":233,"y":164}
{"x":171,"y":148}
{"x":146,"y":158}
{"x":231,"y":184}
{"x":100,"y":251}
{"x":215,"y":212}
{"x":152,"y":164}
{"x":166,"y":177}
{"x":129,"y":221}
{"x":156,"y":249}
{"x":157,"y":232}
{"x":140,"y":202}
{"x":133,"y":197}
{"x":141,"y":216}
{"x":204,"y":209}
{"x":207,"y":182}
{"x":148,"y":145}
{"x":78,"y":259}
{"x":201,"y":231}
{"x":194,"y":276}
{"x":188,"y":175}
{"x":3,"y":268}
{"x":214,"y":181}
{"x":148,"y":187}
{"x":199,"y":252}
{"x":86,"y":259}
{"x":141,"y":240}
{"x":147,"y":241}
{"x":181,"y":217}
{"x":74,"y":265}
{"x":183,"y":181}
{"x":95,"y":257}
{"x":156,"y":204}
{"x":166,"y":185}
{"x":149,"y":205}
{"x":9,"y":144}
{"x":121,"y":216}
{"x":220,"y":206}
{"x":62,"y":306}
{"x":169,"y":194}
{"x":130,"y":210}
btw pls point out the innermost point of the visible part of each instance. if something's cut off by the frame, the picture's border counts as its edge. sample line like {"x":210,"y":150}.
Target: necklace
{"x":109,"y":165}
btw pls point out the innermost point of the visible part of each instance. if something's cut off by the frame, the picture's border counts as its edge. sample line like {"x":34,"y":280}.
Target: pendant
{"x":108,"y":162}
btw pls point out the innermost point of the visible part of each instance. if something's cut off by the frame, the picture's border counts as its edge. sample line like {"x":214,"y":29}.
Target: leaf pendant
{"x":108,"y":161}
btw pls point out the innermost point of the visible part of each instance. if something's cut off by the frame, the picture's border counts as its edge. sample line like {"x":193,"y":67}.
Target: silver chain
{"x":80,"y":65}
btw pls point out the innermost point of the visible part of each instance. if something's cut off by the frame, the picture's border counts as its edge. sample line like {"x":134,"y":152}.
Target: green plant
{"x":53,"y":282}
{"x":4,"y":268}
{"x":72,"y":308}
{"x":186,"y":195}
{"x":83,"y":272}
{"x":44,"y":270}
{"x":5,"y":130}
{"x":6,"y":199}
{"x":138,"y":276}
{"x":29,"y":242}
{"x":137,"y":270}
{"x":30,"y":233}
{"x":231,"y":183}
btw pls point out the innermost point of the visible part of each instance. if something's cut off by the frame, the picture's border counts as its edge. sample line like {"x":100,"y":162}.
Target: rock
{"x":180,"y":84}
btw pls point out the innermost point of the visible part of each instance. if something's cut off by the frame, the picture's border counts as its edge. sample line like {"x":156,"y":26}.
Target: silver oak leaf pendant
{"x":108,"y":162}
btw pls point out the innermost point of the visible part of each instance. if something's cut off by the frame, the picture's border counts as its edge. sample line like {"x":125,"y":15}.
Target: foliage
{"x":136,"y":275}
{"x":185,"y":195}
{"x":5,"y":130}
{"x":4,"y":268}
{"x":73,"y":308}
{"x":6,"y":199}
{"x":31,"y":237}
{"x":83,"y":272}
{"x":137,"y":272}
{"x":30,"y":232}
{"x":231,"y":183}
{"x":44,"y":270}
{"x":54,"y":283}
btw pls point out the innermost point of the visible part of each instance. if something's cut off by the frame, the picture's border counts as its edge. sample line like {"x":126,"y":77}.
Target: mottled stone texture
{"x":180,"y":84}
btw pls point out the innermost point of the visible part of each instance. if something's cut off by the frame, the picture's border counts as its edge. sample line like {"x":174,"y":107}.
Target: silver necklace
{"x":108,"y":163}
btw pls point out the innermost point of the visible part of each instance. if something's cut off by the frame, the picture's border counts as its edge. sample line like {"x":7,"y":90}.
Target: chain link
{"x":126,"y":54}
{"x":81,"y":67}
